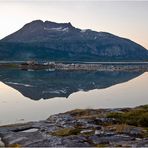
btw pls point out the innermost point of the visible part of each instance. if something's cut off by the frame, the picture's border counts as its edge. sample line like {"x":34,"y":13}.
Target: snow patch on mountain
{"x":57,"y":29}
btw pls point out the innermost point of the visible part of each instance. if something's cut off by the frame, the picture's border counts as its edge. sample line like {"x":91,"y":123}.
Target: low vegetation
{"x":137,"y":116}
{"x":66,"y":132}
{"x":85,"y":113}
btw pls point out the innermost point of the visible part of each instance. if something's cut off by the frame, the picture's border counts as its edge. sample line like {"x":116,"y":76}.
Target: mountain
{"x":61,"y":41}
{"x":46,"y":84}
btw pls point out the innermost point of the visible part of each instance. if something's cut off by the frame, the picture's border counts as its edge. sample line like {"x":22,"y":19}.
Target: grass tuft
{"x":137,"y":116}
{"x":66,"y":132}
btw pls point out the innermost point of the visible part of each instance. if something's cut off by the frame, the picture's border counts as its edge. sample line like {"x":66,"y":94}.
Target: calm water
{"x":34,"y":95}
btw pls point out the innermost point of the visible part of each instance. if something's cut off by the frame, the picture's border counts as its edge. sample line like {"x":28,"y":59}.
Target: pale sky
{"x":127,"y":19}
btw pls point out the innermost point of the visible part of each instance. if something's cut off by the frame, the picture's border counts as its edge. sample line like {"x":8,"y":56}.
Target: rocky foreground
{"x":82,"y":128}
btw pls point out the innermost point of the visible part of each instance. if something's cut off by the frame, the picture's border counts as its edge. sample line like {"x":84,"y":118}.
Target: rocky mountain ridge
{"x":47,"y":40}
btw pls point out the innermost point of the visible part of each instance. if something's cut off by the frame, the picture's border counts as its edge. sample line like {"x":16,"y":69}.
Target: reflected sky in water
{"x":14,"y":107}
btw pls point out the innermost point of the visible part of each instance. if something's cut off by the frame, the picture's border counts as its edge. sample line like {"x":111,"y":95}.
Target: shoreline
{"x":107,"y":66}
{"x":82,"y":128}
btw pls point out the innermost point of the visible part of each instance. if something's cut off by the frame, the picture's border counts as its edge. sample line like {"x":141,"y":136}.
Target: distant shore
{"x":119,"y":127}
{"x":85,"y":66}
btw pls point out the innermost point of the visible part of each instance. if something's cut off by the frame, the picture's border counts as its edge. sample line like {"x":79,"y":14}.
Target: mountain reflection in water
{"x":49,"y":84}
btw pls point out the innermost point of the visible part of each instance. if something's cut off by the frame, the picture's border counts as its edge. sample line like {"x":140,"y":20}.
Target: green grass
{"x":85,"y":113}
{"x":137,"y":116}
{"x":66,"y":132}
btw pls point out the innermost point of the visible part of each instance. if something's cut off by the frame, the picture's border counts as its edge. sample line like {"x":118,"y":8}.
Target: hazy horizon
{"x":127,"y":19}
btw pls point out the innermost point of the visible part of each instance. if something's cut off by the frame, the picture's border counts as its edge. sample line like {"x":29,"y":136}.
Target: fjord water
{"x":34,"y":95}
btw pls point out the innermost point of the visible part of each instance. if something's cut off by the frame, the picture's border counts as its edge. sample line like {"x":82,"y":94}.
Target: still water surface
{"x":34,"y":95}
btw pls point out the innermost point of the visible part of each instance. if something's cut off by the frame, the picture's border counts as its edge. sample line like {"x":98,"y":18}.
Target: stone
{"x":105,"y":120}
{"x":30,"y":130}
{"x":97,"y":140}
{"x":137,"y":132}
{"x":99,"y":132}
{"x":86,"y":131}
{"x":53,"y":141}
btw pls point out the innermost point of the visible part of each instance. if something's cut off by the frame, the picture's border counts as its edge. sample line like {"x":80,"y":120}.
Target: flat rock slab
{"x":73,"y":129}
